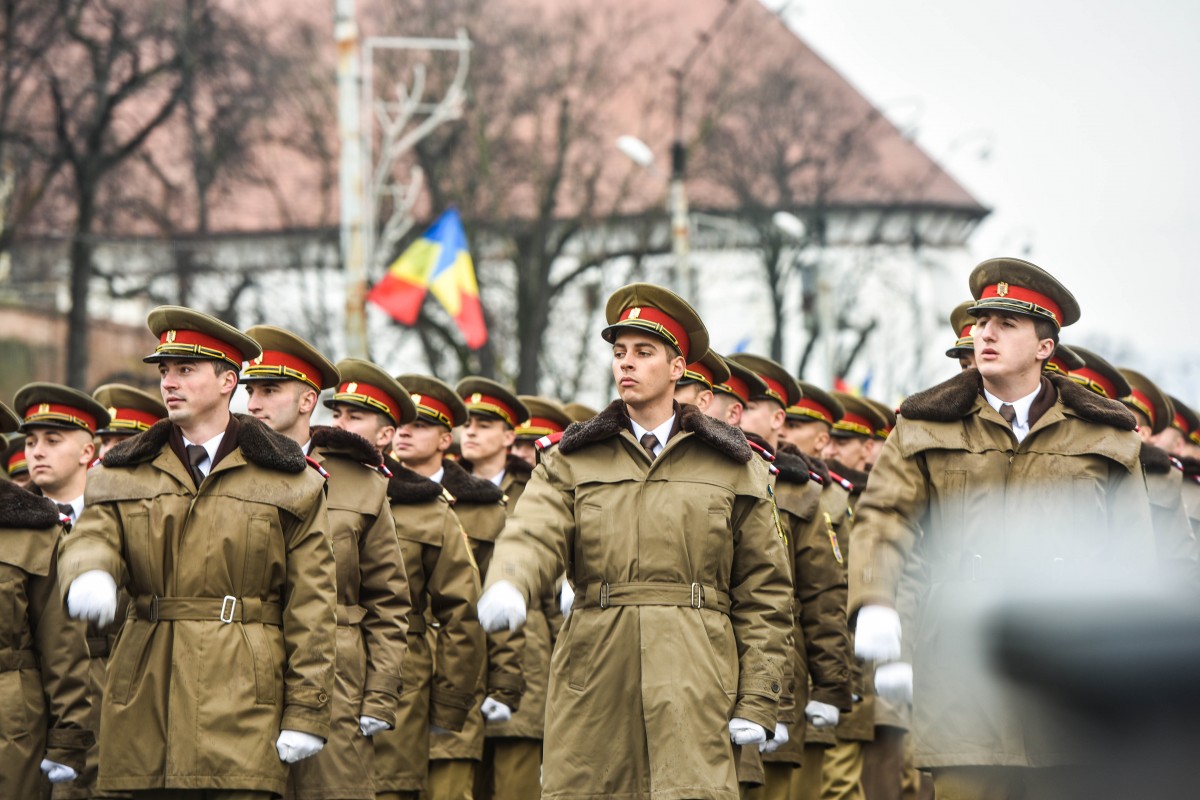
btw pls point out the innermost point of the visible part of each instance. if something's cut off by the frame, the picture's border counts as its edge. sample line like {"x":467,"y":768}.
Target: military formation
{"x":729,"y":583}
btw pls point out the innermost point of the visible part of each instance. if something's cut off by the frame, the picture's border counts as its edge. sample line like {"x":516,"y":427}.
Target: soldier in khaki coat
{"x":479,"y":505}
{"x":223,"y":670}
{"x":813,"y":509}
{"x":999,"y":479}
{"x":45,"y":730}
{"x":1181,"y":438}
{"x":662,"y":517}
{"x":372,"y":591}
{"x":442,"y":580}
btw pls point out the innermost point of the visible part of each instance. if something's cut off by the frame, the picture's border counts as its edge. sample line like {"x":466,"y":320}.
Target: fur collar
{"x":1191,"y":466}
{"x":723,"y":438}
{"x":259,"y":444}
{"x":519,"y":468}
{"x":855,"y":476}
{"x":345,"y":443}
{"x":406,"y":487}
{"x":466,"y":488}
{"x":1155,"y":460}
{"x":21,"y":508}
{"x":954,"y":399}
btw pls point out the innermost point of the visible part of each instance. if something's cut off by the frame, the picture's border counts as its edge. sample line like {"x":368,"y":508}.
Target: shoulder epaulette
{"x":1176,"y":463}
{"x":765,"y":455}
{"x":816,"y":477}
{"x":384,"y":471}
{"x":847,"y":485}
{"x":320,"y":470}
{"x":451,"y":499}
{"x":96,"y":463}
{"x":548,"y":440}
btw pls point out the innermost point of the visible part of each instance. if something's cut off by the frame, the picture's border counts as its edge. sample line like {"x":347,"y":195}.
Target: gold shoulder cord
{"x":837,"y":550}
{"x":775,"y":513}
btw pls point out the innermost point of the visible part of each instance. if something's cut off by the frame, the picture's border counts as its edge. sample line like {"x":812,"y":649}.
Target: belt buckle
{"x":154,"y":608}
{"x":228,"y":608}
{"x":697,"y":596}
{"x":604,"y":594}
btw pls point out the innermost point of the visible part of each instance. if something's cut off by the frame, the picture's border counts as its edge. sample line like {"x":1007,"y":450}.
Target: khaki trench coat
{"x":1173,"y":535}
{"x":682,"y":607}
{"x":480,"y":507}
{"x":991,"y":517}
{"x":44,"y":698}
{"x":373,"y":608}
{"x":443,"y":582}
{"x":200,"y":701}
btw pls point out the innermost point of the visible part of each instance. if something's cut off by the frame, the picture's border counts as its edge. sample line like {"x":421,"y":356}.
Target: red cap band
{"x":277,"y":364}
{"x":539,"y":426}
{"x":364,"y":394}
{"x":52,"y":412}
{"x":1005,"y":291}
{"x":17,"y":462}
{"x":131,"y":419}
{"x":855,"y":424}
{"x":494,"y":405}
{"x":736,"y":387}
{"x":1096,"y":382}
{"x":811,"y":408}
{"x":1180,"y":422}
{"x":432,"y":407}
{"x":700,"y":373}
{"x":1056,"y":364}
{"x":652,"y":319}
{"x":195,"y":343}
{"x":1144,"y":404}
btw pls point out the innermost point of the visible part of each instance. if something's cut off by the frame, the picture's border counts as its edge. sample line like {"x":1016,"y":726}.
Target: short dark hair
{"x":1045,"y":329}
{"x":221,"y":367}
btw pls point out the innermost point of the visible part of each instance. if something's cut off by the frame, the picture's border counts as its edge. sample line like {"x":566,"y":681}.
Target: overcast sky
{"x":1088,"y":112}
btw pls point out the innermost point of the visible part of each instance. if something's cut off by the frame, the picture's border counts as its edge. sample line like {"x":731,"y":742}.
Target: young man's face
{"x":421,"y":441}
{"x":371,"y":425}
{"x":280,"y":404}
{"x":526,"y":451}
{"x":1143,"y":426}
{"x":810,"y":438}
{"x":855,"y":452}
{"x":1171,"y":439}
{"x":485,"y":437}
{"x":57,"y":456}
{"x":726,"y":408}
{"x":110,"y":440}
{"x":1007,"y":345}
{"x":645,"y":368}
{"x":192,"y":390}
{"x":966,"y":361}
{"x":763,"y":417}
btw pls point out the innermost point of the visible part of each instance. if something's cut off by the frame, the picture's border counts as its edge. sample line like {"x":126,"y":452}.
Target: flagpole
{"x":350,"y":177}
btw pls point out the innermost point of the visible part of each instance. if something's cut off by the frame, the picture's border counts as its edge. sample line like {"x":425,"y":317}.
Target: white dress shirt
{"x":1020,"y":425}
{"x":210,"y":447}
{"x":661,"y":433}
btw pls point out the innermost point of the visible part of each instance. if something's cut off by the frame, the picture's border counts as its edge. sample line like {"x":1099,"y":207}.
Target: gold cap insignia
{"x":416,"y":398}
{"x":1002,"y":289}
{"x":476,"y":398}
{"x":634,"y":313}
{"x":257,"y":361}
{"x":352,"y":388}
{"x":170,"y":337}
{"x":43,"y":408}
{"x":112,"y":411}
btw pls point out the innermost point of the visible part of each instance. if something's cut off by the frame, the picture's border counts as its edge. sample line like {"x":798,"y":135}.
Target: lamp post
{"x":795,"y":229}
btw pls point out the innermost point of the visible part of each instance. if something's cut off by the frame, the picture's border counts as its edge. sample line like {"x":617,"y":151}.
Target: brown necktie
{"x":649,"y":442}
{"x":1009,"y":413}
{"x":196,"y":454}
{"x":66,"y":509}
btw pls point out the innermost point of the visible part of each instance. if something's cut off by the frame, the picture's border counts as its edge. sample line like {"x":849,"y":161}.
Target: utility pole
{"x":350,"y":175}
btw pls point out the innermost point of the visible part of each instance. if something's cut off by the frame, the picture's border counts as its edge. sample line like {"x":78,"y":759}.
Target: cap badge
{"x":257,"y":361}
{"x":416,"y":398}
{"x":112,"y":411}
{"x":477,"y":398}
{"x":352,"y":388}
{"x":634,"y":313}
{"x":1002,"y":289}
{"x":170,"y":337}
{"x":43,"y":408}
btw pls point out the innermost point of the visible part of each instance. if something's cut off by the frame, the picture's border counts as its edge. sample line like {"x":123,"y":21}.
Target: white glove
{"x":371,"y":726}
{"x":781,"y":738}
{"x":502,"y":606}
{"x":821,"y":715}
{"x":877,"y":635}
{"x":743,"y":731}
{"x":893,"y":682}
{"x":293,"y":746}
{"x":495,"y":711}
{"x":93,"y":596}
{"x":567,"y":599}
{"x":58,"y":773}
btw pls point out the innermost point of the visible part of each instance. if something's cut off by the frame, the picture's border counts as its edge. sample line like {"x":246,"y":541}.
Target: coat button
{"x":774,"y":687}
{"x":322,"y":698}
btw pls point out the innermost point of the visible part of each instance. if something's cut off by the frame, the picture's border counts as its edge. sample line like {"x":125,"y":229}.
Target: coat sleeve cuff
{"x":69,"y":746}
{"x":380,"y":706}
{"x":307,"y":710}
{"x":450,"y":717}
{"x":757,"y":709}
{"x":383,"y":683}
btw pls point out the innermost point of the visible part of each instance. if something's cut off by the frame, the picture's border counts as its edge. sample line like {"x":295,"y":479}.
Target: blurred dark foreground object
{"x":1121,"y":679}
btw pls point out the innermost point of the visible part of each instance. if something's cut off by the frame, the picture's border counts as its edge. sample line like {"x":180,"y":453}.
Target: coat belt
{"x":695,"y":595}
{"x":218,"y":609}
{"x":17,"y":659}
{"x":416,"y":623}
{"x":348,"y":616}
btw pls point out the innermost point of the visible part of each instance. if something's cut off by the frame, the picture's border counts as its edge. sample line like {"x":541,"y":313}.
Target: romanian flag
{"x":439,"y":261}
